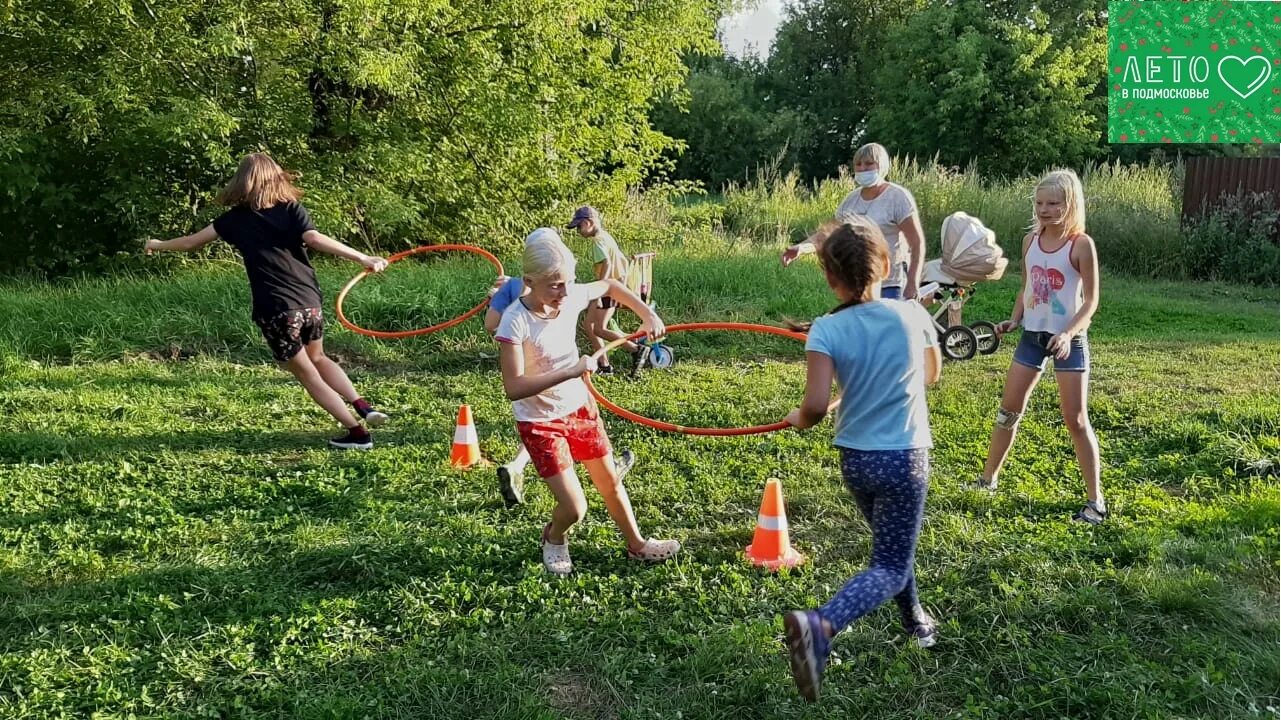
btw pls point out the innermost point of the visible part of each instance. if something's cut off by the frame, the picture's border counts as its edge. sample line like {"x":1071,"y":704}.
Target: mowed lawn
{"x":178,"y":542}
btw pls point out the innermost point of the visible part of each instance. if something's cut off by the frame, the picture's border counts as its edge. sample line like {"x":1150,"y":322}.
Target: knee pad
{"x":1007,"y":420}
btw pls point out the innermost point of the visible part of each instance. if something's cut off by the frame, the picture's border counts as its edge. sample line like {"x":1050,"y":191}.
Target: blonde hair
{"x":874,"y":152}
{"x":546,"y":255}
{"x":1069,"y":186}
{"x":259,"y":183}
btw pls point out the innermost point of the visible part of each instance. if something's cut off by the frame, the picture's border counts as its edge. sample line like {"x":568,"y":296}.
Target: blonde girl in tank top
{"x":1059,"y":296}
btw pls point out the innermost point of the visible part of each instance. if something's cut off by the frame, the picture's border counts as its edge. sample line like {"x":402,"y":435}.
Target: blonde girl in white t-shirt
{"x":558,"y":421}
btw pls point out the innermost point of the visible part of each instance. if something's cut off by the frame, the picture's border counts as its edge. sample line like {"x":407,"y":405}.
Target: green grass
{"x":176,"y":542}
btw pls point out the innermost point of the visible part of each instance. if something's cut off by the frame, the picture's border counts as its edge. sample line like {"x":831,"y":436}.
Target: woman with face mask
{"x":893,"y":209}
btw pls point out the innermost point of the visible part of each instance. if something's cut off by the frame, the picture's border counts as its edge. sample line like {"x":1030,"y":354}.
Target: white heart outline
{"x":1263,"y":77}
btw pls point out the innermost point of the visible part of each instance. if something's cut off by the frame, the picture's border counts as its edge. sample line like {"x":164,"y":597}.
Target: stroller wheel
{"x":661,"y":356}
{"x":988,"y":340}
{"x":958,"y":343}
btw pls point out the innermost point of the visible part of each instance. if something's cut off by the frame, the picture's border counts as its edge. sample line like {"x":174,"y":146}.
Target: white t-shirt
{"x":894,"y":205}
{"x":549,"y":345}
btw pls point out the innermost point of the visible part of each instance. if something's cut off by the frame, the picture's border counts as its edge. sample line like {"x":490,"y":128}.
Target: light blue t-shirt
{"x":878,"y":349}
{"x":509,"y":293}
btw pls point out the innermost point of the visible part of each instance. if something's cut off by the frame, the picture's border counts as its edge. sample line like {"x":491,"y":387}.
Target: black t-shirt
{"x":270,"y":241}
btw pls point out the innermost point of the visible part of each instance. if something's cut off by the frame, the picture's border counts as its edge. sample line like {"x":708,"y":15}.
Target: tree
{"x":729,"y":123}
{"x":824,"y":58}
{"x":976,"y":81}
{"x":410,"y":119}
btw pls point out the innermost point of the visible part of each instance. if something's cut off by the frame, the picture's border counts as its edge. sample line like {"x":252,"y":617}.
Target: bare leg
{"x":605,"y":478}
{"x":1073,"y":396}
{"x":607,"y":335}
{"x":1018,"y":387}
{"x":307,"y":373}
{"x":571,"y":506}
{"x":519,"y":462}
{"x":595,"y":324}
{"x":331,"y":371}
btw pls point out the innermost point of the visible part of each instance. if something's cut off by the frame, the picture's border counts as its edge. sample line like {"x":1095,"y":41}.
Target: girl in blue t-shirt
{"x":882,"y":354}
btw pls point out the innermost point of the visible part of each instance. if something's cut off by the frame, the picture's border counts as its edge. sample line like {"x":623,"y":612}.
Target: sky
{"x":754,"y":27}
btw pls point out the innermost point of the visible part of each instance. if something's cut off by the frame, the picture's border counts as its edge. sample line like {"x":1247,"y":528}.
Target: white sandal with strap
{"x":556,"y":557}
{"x":655,"y":551}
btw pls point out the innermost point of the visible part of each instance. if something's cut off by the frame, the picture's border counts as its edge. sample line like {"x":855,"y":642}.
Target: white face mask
{"x":867,"y":178}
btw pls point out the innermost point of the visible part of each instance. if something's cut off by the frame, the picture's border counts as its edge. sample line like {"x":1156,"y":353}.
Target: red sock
{"x":362,"y":406}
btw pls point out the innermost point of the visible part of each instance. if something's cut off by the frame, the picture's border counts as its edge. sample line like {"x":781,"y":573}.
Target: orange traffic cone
{"x":771,"y":547}
{"x":466,"y":450}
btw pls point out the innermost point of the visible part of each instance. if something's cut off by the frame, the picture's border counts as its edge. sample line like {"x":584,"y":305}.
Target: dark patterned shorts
{"x":288,"y":332}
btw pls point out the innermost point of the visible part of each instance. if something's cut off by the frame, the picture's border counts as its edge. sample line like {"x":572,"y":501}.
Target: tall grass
{"x":1132,"y":210}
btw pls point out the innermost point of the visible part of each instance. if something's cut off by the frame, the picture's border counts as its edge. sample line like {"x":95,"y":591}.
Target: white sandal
{"x":655,"y":551}
{"x":556,"y":557}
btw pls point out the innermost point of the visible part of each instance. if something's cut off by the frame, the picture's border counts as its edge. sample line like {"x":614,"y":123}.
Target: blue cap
{"x":583,"y":213}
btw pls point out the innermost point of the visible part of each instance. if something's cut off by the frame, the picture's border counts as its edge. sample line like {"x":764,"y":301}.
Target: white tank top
{"x":1054,"y":291}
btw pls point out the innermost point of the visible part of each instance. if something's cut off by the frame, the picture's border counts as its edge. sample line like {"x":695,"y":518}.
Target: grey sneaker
{"x":1091,"y":514}
{"x":982,"y":483}
{"x":921,"y":627}
{"x":807,"y":650}
{"x":623,"y":463}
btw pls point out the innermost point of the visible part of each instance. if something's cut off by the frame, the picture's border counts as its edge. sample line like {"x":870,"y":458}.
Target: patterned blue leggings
{"x":889,"y":487}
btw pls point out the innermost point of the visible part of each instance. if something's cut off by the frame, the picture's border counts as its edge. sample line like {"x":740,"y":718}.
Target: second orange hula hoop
{"x":672,"y":427}
{"x":396,"y":334}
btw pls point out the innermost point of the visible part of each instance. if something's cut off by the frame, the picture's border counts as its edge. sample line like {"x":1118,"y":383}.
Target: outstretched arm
{"x":186,"y":243}
{"x":322,"y":242}
{"x":651,"y":323}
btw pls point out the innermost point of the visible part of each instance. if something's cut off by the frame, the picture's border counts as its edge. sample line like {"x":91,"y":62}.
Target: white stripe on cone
{"x":768,"y":522}
{"x":466,"y":435}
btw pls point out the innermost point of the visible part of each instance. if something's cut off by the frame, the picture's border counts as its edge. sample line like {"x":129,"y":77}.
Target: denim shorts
{"x":1032,"y":352}
{"x":891,"y":293}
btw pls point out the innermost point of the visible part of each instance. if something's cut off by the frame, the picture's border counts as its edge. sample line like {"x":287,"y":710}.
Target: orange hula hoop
{"x":396,"y":334}
{"x":672,"y":427}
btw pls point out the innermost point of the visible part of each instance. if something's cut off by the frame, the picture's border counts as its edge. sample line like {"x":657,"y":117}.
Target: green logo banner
{"x":1194,"y":71}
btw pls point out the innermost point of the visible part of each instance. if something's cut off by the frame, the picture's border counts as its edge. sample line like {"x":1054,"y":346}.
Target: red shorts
{"x":555,"y":445}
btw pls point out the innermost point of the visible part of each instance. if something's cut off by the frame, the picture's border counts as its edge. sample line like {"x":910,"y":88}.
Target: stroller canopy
{"x":970,"y":253}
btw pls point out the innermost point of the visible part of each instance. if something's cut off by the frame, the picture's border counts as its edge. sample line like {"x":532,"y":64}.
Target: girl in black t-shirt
{"x":272,"y":231}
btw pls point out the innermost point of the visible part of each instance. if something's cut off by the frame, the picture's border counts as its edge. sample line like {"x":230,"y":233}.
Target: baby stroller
{"x":640,"y":280}
{"x":970,"y":255}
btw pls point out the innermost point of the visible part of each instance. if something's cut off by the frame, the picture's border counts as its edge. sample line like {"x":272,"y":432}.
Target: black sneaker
{"x":604,"y":369}
{"x":353,"y":440}
{"x":623,"y":463}
{"x":511,"y":486}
